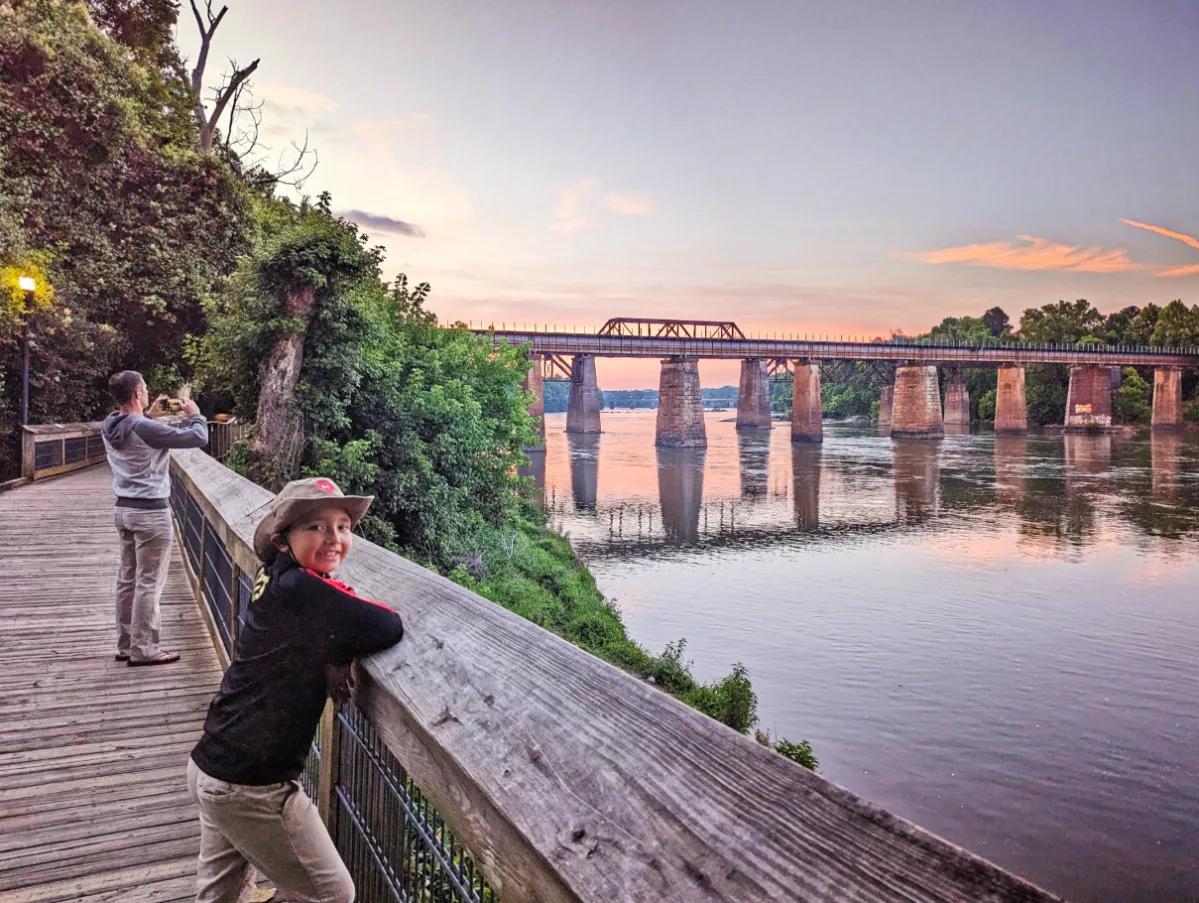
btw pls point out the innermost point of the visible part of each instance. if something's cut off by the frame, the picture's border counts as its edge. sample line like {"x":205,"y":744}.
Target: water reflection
{"x":917,"y":473}
{"x":805,"y":485}
{"x":535,"y":468}
{"x":1011,"y":468}
{"x":1165,"y":462}
{"x":681,"y":491}
{"x":753,"y":452}
{"x":1011,"y":619}
{"x":584,"y":469}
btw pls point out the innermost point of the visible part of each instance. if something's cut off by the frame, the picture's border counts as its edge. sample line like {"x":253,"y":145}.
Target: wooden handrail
{"x":54,"y":448}
{"x":569,"y":780}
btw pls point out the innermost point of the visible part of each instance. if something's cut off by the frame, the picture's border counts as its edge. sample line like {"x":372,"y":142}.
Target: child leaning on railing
{"x":243,"y":773}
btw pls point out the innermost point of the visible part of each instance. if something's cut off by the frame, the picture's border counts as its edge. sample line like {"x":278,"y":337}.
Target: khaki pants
{"x":274,"y":828}
{"x":145,"y":556}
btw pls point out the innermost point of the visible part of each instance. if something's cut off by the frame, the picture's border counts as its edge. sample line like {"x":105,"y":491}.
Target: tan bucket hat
{"x":298,"y":498}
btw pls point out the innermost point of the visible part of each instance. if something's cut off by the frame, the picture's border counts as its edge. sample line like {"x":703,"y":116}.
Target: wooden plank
{"x":93,"y":754}
{"x":571,"y":780}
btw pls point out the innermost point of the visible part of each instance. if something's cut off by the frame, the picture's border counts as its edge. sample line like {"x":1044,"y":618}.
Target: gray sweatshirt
{"x":138,"y":453}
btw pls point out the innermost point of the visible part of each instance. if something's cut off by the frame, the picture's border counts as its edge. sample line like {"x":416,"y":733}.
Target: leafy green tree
{"x":1177,"y":326}
{"x":1064,"y":322}
{"x":986,"y":405}
{"x":1130,"y":402}
{"x":1117,"y":325}
{"x":1140,"y":329}
{"x":997,"y":322}
{"x":99,"y":182}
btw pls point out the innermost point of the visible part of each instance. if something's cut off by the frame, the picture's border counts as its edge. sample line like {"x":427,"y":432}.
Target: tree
{"x":308,"y":264}
{"x":1116,"y":326}
{"x":1065,"y":322}
{"x":100,"y":182}
{"x":1177,"y":326}
{"x":207,"y":26}
{"x":144,"y":26}
{"x":1140,"y":329}
{"x":1130,"y":402}
{"x":997,"y":322}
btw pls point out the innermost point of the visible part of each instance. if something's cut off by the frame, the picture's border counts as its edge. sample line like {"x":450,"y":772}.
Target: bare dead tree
{"x":228,"y":90}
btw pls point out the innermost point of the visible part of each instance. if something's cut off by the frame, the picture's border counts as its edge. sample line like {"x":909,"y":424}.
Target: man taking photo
{"x":138,"y":454}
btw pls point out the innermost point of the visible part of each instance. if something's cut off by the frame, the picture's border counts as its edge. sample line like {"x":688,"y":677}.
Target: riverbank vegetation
{"x":160,"y":246}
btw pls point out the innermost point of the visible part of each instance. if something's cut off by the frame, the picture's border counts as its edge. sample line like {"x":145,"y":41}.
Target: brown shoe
{"x":163,"y":658}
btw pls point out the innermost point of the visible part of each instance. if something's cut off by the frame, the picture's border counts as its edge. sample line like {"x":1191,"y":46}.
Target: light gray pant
{"x":274,"y":828}
{"x":145,"y":556}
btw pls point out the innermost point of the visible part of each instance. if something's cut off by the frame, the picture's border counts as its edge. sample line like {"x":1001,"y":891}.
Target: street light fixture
{"x":28,"y":286}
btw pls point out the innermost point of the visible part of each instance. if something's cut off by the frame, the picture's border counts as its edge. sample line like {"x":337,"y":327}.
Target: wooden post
{"x":330,"y":742}
{"x":28,"y":454}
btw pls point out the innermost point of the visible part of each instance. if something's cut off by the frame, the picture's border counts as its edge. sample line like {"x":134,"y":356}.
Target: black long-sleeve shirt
{"x":262,"y":720}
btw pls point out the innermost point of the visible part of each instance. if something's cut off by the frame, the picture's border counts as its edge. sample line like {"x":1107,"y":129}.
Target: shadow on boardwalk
{"x":93,"y":796}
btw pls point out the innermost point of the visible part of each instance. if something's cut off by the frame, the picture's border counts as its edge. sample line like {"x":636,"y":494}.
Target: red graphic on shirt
{"x":325,"y":486}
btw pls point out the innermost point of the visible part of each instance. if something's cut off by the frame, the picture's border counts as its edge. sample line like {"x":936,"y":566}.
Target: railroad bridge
{"x":911,"y":405}
{"x":481,"y":745}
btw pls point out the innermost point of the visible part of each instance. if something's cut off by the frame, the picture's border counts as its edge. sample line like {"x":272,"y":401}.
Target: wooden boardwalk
{"x":93,"y":754}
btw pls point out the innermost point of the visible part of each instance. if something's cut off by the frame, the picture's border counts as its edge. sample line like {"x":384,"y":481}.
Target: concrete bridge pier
{"x":806,"y":411}
{"x":1167,"y":400}
{"x":886,"y":403}
{"x":753,"y":401}
{"x":1089,"y":399}
{"x":957,"y":400}
{"x":916,"y":411}
{"x":680,"y":405}
{"x":583,"y":405}
{"x":1011,"y":403}
{"x":532,"y":383}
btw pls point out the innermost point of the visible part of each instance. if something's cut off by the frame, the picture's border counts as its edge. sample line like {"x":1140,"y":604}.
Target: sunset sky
{"x":850,"y":167}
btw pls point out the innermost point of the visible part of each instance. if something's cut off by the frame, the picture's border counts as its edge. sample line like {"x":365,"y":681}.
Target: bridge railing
{"x":51,"y":449}
{"x":521,"y":329}
{"x":565,"y":778}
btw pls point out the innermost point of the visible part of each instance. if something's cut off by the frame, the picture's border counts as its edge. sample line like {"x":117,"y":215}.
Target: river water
{"x":995,"y":638}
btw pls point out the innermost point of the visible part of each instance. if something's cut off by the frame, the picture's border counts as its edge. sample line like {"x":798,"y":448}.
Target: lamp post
{"x":29,"y":286}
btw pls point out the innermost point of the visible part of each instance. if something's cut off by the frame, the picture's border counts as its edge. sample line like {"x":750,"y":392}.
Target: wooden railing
{"x":565,"y":778}
{"x":50,"y":449}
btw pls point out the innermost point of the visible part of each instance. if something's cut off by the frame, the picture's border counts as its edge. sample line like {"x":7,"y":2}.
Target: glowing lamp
{"x":27,"y":283}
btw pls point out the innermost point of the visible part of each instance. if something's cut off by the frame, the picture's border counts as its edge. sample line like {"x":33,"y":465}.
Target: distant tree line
{"x":852,"y":388}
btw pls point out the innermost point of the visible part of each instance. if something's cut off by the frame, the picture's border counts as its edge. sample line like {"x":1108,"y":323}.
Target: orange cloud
{"x":1030,"y":253}
{"x":1169,"y":233}
{"x":1181,"y":271}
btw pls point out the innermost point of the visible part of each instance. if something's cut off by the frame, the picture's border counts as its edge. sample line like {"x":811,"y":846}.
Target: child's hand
{"x":340,"y":681}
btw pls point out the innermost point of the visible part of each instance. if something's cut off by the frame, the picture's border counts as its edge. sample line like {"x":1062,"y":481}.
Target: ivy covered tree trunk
{"x":279,"y":427}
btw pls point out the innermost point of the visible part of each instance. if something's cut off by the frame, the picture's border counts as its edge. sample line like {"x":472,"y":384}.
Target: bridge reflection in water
{"x":662,"y":501}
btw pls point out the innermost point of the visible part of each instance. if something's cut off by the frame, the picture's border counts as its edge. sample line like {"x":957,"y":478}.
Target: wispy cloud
{"x":1027,"y":252}
{"x":569,"y":211}
{"x":577,"y":206}
{"x":629,"y":205}
{"x":295,"y":100}
{"x":384,"y":223}
{"x":1169,"y":233}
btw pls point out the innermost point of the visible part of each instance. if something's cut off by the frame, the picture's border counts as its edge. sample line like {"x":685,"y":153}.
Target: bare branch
{"x":288,"y":175}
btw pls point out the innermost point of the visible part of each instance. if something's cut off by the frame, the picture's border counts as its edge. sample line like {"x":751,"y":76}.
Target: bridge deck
{"x":93,"y":796}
